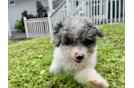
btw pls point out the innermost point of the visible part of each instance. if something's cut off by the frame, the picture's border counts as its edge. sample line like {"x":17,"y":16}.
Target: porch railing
{"x":99,"y":11}
{"x":35,"y":28}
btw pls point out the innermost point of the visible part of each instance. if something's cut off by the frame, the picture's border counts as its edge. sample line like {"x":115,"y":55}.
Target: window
{"x":56,"y":3}
{"x":11,"y":2}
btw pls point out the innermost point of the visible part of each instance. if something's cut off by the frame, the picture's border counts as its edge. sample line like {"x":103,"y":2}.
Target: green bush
{"x":19,"y":27}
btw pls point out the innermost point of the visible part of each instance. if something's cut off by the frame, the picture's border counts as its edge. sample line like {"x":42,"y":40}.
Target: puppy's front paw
{"x":53,"y":69}
{"x":98,"y":81}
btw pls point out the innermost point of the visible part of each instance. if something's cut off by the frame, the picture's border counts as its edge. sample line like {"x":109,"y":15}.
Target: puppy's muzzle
{"x":79,"y":56}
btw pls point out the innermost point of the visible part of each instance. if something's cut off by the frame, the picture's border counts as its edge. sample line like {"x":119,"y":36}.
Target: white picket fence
{"x":35,"y":28}
{"x":99,"y":11}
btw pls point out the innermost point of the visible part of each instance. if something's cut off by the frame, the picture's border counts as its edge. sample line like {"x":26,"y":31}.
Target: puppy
{"x":76,"y":51}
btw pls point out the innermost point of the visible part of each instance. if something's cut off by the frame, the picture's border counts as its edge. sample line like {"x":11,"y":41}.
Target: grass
{"x":27,"y":59}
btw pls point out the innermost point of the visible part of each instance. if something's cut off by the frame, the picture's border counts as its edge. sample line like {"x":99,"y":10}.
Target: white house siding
{"x":14,"y":12}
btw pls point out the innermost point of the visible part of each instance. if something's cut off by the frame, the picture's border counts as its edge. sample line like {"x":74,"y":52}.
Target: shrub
{"x":19,"y":27}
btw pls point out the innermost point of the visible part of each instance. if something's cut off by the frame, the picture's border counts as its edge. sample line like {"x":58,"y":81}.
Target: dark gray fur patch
{"x":57,"y":28}
{"x":64,"y":32}
{"x":56,"y":40}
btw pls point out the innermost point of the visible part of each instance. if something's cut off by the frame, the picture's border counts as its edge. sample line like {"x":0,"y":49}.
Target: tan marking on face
{"x":73,"y":36}
{"x":88,"y":38}
{"x":91,"y":49}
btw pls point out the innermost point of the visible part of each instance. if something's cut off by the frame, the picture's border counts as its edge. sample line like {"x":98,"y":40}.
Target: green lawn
{"x":27,"y":59}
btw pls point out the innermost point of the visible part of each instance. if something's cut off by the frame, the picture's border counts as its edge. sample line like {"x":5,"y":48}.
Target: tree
{"x":41,"y":11}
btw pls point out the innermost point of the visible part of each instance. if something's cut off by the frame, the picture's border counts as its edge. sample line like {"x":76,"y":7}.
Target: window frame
{"x":11,"y":4}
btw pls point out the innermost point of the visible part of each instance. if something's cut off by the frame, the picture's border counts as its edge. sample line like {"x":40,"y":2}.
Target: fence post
{"x":85,"y":9}
{"x":91,"y":10}
{"x":111,"y":10}
{"x":123,"y":9}
{"x":100,"y":12}
{"x":67,"y":1}
{"x":26,"y":30}
{"x":115,"y":10}
{"x":50,"y":5}
{"x":50,"y":23}
{"x":119,"y":10}
{"x":107,"y":2}
{"x":9,"y":31}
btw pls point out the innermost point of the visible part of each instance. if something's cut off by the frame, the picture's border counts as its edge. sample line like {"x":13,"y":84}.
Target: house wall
{"x":14,"y":12}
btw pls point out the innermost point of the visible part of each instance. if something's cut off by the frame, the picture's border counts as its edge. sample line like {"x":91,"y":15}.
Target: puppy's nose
{"x":79,"y":56}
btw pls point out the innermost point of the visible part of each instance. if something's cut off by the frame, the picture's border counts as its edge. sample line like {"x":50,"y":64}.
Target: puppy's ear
{"x":56,"y":39}
{"x":99,"y":32}
{"x":93,"y":30}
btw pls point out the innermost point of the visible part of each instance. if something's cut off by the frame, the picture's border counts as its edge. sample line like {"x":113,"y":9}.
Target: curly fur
{"x":77,"y":35}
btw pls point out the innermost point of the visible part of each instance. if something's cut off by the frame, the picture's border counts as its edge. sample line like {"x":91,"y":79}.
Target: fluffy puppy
{"x":76,"y":51}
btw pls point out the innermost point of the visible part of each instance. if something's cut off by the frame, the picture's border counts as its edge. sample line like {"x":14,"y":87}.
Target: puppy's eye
{"x":69,"y":42}
{"x":87,"y":42}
